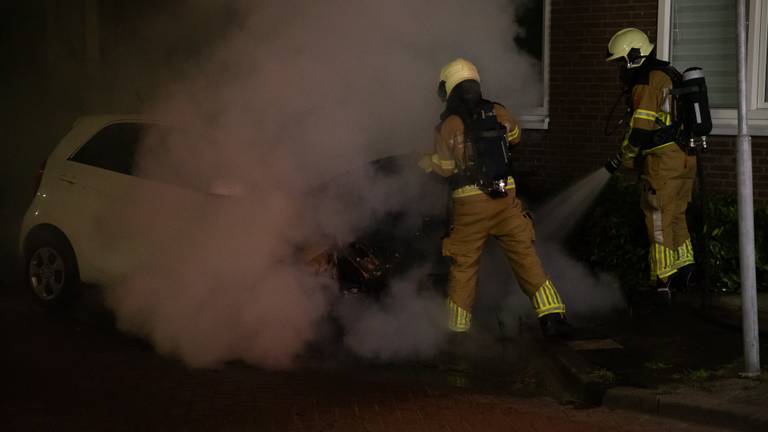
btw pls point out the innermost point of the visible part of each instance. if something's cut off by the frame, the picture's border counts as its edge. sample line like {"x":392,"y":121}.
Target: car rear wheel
{"x":51,"y":270}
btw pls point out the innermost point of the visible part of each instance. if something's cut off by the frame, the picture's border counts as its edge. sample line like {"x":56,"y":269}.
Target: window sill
{"x":725,"y":122}
{"x":534,"y":121}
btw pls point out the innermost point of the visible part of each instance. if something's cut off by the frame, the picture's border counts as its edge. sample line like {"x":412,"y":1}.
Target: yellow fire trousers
{"x":667,"y":187}
{"x":474,"y":219}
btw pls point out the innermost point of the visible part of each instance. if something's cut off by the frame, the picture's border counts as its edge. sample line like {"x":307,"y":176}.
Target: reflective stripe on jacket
{"x":652,"y":106}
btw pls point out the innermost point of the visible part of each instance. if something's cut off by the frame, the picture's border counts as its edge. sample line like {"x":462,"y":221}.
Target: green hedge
{"x":611,"y":237}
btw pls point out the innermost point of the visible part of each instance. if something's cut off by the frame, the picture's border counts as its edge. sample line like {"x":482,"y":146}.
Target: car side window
{"x":112,"y":148}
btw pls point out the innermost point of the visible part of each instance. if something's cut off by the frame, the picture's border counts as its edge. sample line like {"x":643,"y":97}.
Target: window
{"x":703,"y":33}
{"x":532,"y":38}
{"x":153,"y":152}
{"x":112,"y":148}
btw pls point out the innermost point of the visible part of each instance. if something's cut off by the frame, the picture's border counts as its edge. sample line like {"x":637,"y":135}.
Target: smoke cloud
{"x":407,"y":323}
{"x":276,"y":125}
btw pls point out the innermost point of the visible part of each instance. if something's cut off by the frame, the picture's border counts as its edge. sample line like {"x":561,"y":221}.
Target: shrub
{"x":611,"y":237}
{"x":717,"y":241}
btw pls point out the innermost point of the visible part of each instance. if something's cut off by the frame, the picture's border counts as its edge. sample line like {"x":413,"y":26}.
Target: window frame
{"x":725,"y":120}
{"x":759,"y":41}
{"x":538,"y":118}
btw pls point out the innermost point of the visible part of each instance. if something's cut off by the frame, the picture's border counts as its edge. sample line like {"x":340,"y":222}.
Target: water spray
{"x":557,"y":217}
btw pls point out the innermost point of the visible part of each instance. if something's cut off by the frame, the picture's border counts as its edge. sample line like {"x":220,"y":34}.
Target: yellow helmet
{"x":457,"y":71}
{"x":632,"y":45}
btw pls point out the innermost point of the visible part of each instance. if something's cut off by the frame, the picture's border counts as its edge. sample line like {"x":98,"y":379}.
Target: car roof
{"x":99,"y":120}
{"x":84,"y":127}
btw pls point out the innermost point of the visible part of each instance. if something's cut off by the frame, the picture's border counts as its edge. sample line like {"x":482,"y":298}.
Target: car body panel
{"x":84,"y":202}
{"x":96,"y":209}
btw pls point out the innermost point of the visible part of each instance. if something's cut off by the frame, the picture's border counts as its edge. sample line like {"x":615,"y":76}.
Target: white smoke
{"x":407,"y":323}
{"x":299,"y":93}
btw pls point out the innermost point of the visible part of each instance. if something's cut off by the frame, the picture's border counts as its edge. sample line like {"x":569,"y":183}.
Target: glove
{"x":613,"y":164}
{"x":425,"y":163}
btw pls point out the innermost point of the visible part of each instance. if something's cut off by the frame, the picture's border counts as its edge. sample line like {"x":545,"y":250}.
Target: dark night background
{"x":62,"y":59}
{"x":65,"y":58}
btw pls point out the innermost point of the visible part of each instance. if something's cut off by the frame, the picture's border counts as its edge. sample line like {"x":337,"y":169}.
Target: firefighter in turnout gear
{"x":471,"y":149}
{"x":667,"y":172}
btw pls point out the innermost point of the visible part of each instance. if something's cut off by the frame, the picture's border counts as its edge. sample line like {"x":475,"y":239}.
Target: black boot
{"x":662,"y":297}
{"x":456,"y":355}
{"x":555,"y":325}
{"x":685,"y":279}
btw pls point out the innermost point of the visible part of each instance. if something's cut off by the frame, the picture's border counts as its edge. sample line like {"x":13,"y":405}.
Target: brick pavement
{"x":455,"y":411}
{"x":62,"y":374}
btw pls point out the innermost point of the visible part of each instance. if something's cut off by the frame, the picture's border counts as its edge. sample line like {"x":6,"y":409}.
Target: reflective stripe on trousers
{"x":664,"y":261}
{"x":547,"y":300}
{"x":459,"y":320}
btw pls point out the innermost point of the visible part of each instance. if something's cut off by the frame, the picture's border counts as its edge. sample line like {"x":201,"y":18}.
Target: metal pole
{"x":746,"y":211}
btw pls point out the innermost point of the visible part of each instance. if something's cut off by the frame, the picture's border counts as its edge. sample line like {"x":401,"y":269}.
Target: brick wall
{"x":583,"y":87}
{"x":719,"y":166}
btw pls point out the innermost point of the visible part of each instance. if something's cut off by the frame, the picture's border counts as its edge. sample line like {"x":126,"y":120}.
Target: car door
{"x":130,"y":213}
{"x":100,"y":172}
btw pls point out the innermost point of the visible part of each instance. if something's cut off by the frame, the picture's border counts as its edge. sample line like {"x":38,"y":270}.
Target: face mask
{"x":625,"y":75}
{"x":469,"y":93}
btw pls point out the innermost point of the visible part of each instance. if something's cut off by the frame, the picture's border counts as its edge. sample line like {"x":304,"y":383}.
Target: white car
{"x":74,"y":230}
{"x":71,"y":232}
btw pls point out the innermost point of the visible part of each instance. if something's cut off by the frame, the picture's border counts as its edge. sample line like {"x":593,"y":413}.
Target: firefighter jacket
{"x":651,"y":111}
{"x":452,"y":151}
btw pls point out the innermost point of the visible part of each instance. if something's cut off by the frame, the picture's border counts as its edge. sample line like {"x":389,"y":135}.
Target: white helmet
{"x":630,"y":44}
{"x":455,"y":72}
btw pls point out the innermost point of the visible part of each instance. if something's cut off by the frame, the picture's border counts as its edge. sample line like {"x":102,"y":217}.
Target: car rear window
{"x":112,"y":148}
{"x":150,"y":151}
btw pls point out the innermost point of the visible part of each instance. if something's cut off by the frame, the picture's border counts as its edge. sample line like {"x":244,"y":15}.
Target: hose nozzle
{"x":613,"y":164}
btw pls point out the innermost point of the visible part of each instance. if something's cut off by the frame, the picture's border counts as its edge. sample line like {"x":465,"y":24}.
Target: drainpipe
{"x":92,"y":49}
{"x":746,"y":211}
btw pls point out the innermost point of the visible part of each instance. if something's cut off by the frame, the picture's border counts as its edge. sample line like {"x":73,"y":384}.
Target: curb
{"x":581,"y":379}
{"x":729,"y":317}
{"x":699,"y":409}
{"x":573,"y":377}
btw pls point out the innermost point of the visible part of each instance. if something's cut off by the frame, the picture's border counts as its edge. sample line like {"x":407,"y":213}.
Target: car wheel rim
{"x":47,"y":273}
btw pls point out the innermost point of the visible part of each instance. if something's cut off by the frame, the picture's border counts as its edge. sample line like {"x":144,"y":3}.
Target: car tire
{"x":50,"y":269}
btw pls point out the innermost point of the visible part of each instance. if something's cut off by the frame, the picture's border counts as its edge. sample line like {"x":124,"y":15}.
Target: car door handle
{"x":68,"y":179}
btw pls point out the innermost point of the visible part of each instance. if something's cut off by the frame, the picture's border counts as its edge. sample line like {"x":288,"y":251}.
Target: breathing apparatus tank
{"x":693,"y":110}
{"x":491,"y":152}
{"x":486,"y":155}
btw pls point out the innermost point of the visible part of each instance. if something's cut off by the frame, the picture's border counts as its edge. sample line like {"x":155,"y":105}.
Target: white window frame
{"x":759,"y":41}
{"x":725,"y":120}
{"x":538,"y":118}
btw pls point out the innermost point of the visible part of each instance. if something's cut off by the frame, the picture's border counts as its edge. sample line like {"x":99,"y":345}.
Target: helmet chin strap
{"x":635,"y":58}
{"x":636,"y":63}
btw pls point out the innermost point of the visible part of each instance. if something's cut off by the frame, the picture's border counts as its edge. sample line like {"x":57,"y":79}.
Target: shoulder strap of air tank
{"x":492,"y":103}
{"x":670,"y":71}
{"x":487,"y":105}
